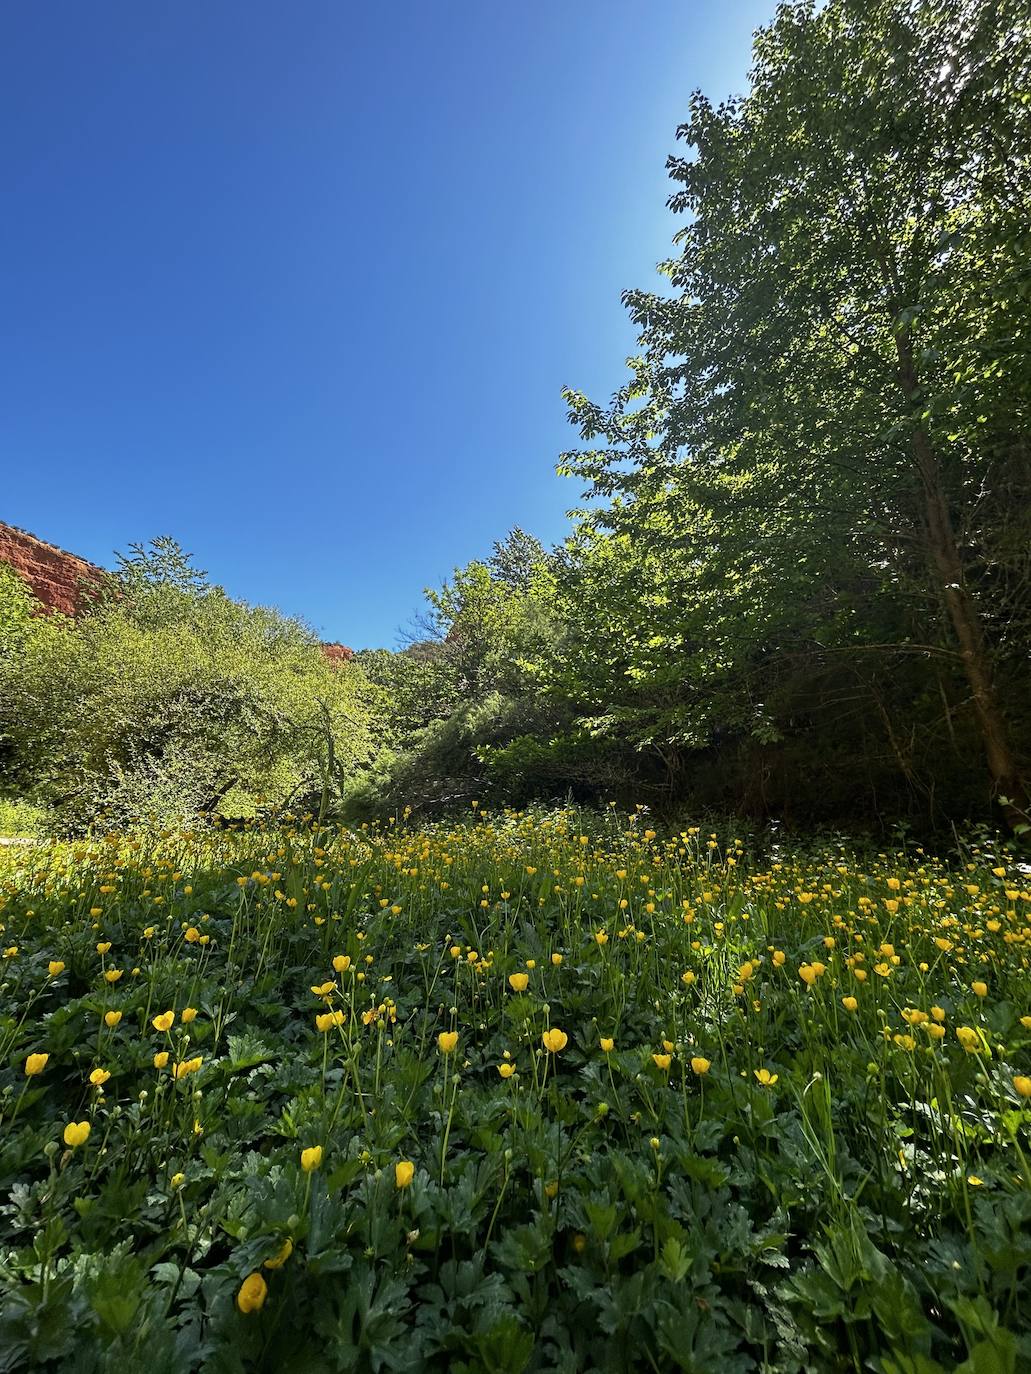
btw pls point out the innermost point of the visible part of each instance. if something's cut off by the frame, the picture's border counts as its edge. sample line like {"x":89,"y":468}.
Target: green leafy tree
{"x":173,"y":700}
{"x":822,"y":409}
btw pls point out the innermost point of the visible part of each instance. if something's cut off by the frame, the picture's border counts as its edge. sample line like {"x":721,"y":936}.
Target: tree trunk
{"x":947,"y":564}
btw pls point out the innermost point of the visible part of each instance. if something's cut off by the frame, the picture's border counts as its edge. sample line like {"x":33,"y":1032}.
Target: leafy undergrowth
{"x":507,"y":1096}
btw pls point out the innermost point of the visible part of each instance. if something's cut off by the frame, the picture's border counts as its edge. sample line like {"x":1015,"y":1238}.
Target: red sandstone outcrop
{"x":58,"y":580}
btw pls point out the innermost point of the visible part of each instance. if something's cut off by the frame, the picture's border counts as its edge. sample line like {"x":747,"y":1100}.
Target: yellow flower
{"x":979,"y":989}
{"x":104,"y":945}
{"x":160,"y":1060}
{"x":974,"y":1181}
{"x":76,"y":1133}
{"x":1025,"y":1021}
{"x":1022,"y":1084}
{"x":968,"y":1038}
{"x":506,"y":1070}
{"x":35,"y":1064}
{"x":766,"y":1078}
{"x":55,"y":968}
{"x":518,"y":981}
{"x":189,"y":1014}
{"x":330,"y":1019}
{"x":192,"y":935}
{"x":404,"y":1172}
{"x":164,"y":1021}
{"x":252,"y":1294}
{"x":700,"y":1065}
{"x":311,"y":1159}
{"x":447,"y":1041}
{"x":342,"y":963}
{"x":556,"y":959}
{"x":555,"y":1040}
{"x":601,"y":937}
{"x":112,"y":1018}
{"x":177,"y":1180}
{"x":687,"y":978}
{"x":113,"y":974}
{"x":607,"y":1044}
{"x":281,"y":1256}
{"x":808,"y":974}
{"x":850,"y":1003}
{"x":662,"y":1061}
{"x":99,"y":1077}
{"x":779,"y":958}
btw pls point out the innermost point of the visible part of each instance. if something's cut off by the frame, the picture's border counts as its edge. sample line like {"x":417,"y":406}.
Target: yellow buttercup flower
{"x":163,"y":1022}
{"x":555,"y":1040}
{"x":252,"y":1294}
{"x":104,"y":945}
{"x":556,"y":959}
{"x":662,"y":1061}
{"x":850,"y":1003}
{"x":311,"y":1159}
{"x":518,"y":981}
{"x":447,"y":1041}
{"x":160,"y":1060}
{"x":99,"y":1077}
{"x":189,"y":1014}
{"x":55,"y":967}
{"x":766,"y":1078}
{"x":112,"y":975}
{"x":607,"y":1044}
{"x":330,"y":1019}
{"x":1022,"y":1084}
{"x":979,"y":989}
{"x":76,"y":1133}
{"x":506,"y":1070}
{"x":404,"y":1172}
{"x":342,"y":963}
{"x":177,"y":1180}
{"x":35,"y":1064}
{"x":700,"y":1065}
{"x":281,"y":1256}
{"x":112,"y":1018}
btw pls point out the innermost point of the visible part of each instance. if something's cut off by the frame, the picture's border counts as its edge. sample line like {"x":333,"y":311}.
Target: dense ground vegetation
{"x":510,"y":1095}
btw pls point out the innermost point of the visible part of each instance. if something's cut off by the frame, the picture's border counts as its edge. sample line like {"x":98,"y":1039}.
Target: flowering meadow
{"x":532,"y":1092}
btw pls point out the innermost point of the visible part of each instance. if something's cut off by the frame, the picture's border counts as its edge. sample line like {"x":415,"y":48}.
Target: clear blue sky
{"x":300,"y":283}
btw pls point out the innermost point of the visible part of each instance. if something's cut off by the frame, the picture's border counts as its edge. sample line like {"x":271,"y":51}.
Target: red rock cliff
{"x":60,"y":581}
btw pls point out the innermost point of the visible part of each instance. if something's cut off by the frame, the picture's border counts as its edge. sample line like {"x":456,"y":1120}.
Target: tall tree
{"x":841,"y":379}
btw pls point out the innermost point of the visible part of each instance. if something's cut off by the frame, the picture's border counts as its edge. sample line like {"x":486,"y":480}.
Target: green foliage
{"x":169,"y":698}
{"x":865,"y":1207}
{"x":820,"y":471}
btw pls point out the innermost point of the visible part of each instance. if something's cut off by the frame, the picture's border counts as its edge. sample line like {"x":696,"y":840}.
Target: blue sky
{"x":300,"y":284}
